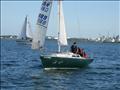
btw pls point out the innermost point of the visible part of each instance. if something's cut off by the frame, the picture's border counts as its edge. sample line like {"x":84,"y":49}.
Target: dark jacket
{"x":73,"y":48}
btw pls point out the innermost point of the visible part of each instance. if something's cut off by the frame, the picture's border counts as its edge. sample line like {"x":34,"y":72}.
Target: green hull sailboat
{"x":60,"y":60}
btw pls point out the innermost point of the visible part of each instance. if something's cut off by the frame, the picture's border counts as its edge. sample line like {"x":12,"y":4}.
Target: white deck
{"x":65,"y":55}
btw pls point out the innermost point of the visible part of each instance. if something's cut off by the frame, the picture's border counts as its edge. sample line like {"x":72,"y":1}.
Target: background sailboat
{"x":58,"y":60}
{"x":26,"y":32}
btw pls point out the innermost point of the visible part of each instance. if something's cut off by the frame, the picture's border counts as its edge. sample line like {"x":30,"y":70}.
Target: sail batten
{"x":42,"y":24}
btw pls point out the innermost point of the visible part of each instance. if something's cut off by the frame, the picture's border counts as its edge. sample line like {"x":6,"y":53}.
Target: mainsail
{"x":62,"y":38}
{"x":42,"y":24}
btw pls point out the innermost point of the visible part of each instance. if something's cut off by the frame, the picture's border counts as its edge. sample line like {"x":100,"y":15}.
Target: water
{"x":21,"y":69}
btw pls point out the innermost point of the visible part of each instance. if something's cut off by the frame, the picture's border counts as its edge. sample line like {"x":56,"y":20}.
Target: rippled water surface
{"x":21,"y":68}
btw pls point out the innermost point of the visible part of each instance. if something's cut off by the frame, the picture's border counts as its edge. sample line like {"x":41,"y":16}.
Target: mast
{"x":59,"y":47}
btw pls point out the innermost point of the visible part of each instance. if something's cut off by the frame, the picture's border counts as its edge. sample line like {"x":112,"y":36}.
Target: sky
{"x":85,"y":19}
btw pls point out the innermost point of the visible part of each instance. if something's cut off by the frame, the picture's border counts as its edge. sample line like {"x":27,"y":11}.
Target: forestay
{"x":42,"y":24}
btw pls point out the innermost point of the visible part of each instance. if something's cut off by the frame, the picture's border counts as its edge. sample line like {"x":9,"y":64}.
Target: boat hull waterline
{"x":64,"y":63}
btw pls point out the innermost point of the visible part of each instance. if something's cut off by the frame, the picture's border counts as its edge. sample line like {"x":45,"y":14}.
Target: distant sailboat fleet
{"x":108,"y":39}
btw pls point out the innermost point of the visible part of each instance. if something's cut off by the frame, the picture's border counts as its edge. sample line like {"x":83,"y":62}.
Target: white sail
{"x":28,"y":29}
{"x":62,"y":38}
{"x":42,"y":24}
{"x":22,"y":34}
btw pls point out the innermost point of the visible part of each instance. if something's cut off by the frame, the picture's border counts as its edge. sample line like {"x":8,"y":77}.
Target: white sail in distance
{"x":22,"y":34}
{"x":42,"y":25}
{"x":29,"y":33}
{"x":62,"y":37}
{"x":26,"y":31}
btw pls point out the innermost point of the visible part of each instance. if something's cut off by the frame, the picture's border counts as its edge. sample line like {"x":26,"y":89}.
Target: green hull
{"x":61,"y":62}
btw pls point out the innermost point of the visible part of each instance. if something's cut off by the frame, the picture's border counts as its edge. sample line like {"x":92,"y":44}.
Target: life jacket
{"x":85,"y":55}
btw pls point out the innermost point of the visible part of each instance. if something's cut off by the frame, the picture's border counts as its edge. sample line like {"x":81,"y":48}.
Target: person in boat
{"x":82,"y":53}
{"x":74,"y":48}
{"x":77,"y":50}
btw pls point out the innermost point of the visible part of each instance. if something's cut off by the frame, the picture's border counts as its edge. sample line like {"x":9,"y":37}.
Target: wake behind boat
{"x":60,"y":60}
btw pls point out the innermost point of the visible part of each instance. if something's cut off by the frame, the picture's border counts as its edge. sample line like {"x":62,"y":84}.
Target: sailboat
{"x":26,"y":32}
{"x":59,"y":60}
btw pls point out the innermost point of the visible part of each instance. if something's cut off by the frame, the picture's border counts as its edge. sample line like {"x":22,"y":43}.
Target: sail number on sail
{"x":42,"y":17}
